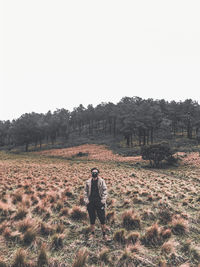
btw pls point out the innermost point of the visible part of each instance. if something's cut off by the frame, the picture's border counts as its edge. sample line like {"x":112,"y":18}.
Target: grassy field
{"x":153,"y":215}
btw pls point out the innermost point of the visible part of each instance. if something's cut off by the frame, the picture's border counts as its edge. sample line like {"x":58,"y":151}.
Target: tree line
{"x":135,"y":119}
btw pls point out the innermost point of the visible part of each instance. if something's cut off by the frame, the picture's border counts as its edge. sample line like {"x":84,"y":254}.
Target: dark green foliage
{"x":134,"y":119}
{"x":156,"y":153}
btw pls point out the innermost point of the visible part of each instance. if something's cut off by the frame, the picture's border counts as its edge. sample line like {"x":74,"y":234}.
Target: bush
{"x":155,"y":153}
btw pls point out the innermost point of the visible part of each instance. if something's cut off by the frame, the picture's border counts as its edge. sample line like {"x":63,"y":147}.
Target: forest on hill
{"x":133,"y":119}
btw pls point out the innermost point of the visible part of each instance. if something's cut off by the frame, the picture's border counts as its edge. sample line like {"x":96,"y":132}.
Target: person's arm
{"x":104,"y":192}
{"x":86,"y":200}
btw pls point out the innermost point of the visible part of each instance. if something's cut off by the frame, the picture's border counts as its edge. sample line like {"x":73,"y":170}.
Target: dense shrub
{"x":155,"y":153}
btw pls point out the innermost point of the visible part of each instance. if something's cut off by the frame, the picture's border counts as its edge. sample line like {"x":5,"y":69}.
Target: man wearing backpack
{"x":95,"y":195}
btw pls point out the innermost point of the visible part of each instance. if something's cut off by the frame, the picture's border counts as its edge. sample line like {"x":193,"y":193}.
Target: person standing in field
{"x":95,"y":196}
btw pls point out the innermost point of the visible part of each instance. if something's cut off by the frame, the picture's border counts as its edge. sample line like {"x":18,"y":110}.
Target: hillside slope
{"x":153,"y":216}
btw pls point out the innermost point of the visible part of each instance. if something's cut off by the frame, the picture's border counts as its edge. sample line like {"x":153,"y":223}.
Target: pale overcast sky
{"x":59,"y":54}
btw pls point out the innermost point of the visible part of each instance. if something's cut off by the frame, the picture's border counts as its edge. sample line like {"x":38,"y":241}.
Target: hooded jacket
{"x":102,"y":190}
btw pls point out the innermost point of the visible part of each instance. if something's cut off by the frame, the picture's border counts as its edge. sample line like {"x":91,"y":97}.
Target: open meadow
{"x":152,"y":215}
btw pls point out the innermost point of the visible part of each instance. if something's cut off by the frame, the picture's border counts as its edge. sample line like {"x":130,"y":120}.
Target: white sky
{"x":59,"y":54}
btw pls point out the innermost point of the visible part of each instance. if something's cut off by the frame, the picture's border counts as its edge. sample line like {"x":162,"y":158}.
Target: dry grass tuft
{"x":132,"y":237}
{"x":110,"y":216}
{"x":81,"y":258}
{"x":119,"y":236}
{"x":29,"y":236}
{"x":77,"y":213}
{"x":179,"y":226}
{"x":131,"y":220}
{"x":168,"y":247}
{"x":60,"y":228}
{"x":42,"y":257}
{"x":21,"y":213}
{"x":57,"y":241}
{"x":25,"y":224}
{"x":104,"y":255}
{"x":19,"y":259}
{"x":166,"y":233}
{"x":46,"y":229}
{"x":17,"y":197}
{"x":7,"y":233}
{"x":165,"y":216}
{"x":81,"y":200}
{"x":64,"y":211}
{"x":135,"y":248}
{"x":152,"y":236}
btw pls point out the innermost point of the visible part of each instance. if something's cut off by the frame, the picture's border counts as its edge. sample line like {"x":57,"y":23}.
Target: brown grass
{"x":119,"y":236}
{"x":131,"y":220}
{"x":81,"y":258}
{"x":42,"y":257}
{"x":152,"y":236}
{"x":20,"y":258}
{"x":77,"y":213}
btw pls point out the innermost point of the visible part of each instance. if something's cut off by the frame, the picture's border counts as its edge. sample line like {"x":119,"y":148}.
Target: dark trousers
{"x":96,"y":209}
